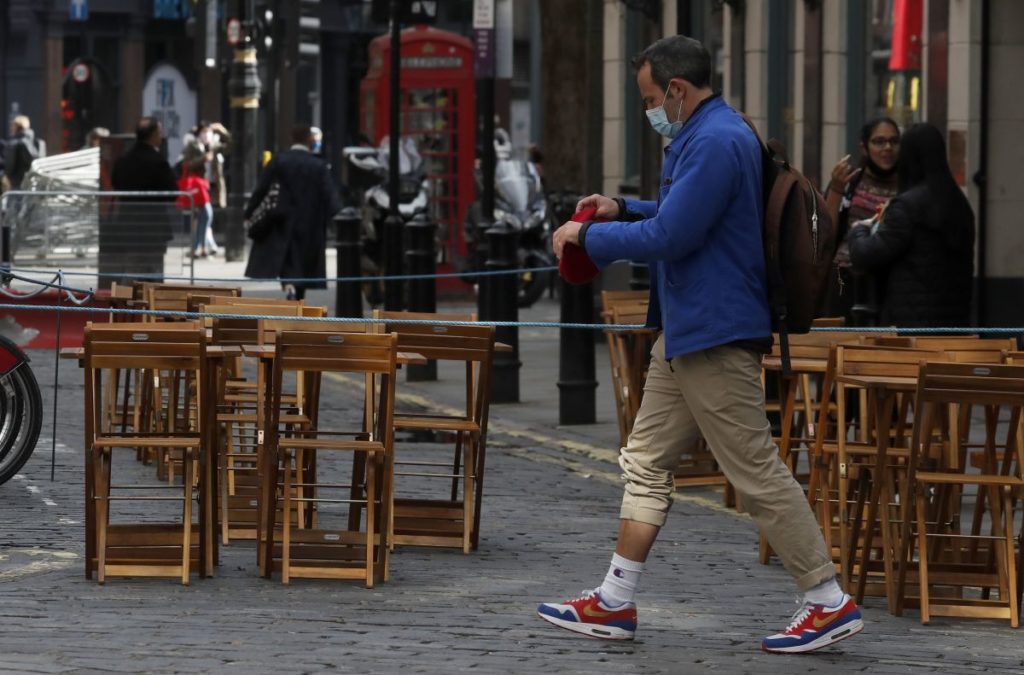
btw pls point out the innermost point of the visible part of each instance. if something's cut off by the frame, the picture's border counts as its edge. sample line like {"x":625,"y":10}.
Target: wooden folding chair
{"x":359,"y":550}
{"x":864,"y":491}
{"x":452,"y":521}
{"x":239,"y":412}
{"x":144,"y":549}
{"x":932,"y":474}
{"x":628,"y":353}
{"x":174,"y":297}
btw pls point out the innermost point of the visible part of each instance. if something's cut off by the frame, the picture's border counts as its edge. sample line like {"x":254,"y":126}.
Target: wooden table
{"x":883,"y":390}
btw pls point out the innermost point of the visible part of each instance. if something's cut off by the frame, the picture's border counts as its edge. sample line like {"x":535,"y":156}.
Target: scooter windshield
{"x":512,"y":181}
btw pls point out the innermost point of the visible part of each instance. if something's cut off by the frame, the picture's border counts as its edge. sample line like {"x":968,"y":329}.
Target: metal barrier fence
{"x":144,"y":233}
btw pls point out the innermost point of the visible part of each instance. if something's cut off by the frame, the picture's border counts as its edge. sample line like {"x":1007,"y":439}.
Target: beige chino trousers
{"x":717,"y":393}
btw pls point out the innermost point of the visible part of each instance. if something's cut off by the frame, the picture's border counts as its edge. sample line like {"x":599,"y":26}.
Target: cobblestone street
{"x":550,"y":509}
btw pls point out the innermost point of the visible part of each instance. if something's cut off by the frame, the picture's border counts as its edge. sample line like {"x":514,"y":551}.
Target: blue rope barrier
{"x":959,"y":330}
{"x":290,"y":280}
{"x":328,"y":319}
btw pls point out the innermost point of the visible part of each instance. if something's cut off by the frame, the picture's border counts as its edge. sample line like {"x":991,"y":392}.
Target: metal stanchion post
{"x":394,"y":289}
{"x":244,"y":92}
{"x":421,"y":259}
{"x":502,"y":305}
{"x":639,"y":276}
{"x":348,"y":295}
{"x":5,"y":239}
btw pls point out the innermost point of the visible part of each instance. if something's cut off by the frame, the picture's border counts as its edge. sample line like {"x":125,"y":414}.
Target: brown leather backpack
{"x":799,"y":244}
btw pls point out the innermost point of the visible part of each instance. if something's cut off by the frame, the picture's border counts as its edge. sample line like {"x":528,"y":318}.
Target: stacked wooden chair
{"x":357,"y":549}
{"x":986,"y":559}
{"x":629,"y":354}
{"x":451,"y":520}
{"x":146,"y":548}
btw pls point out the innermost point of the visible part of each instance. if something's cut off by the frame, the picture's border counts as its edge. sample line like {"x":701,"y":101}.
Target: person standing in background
{"x":21,"y":150}
{"x":857,"y":193}
{"x":142,"y":225}
{"x":922,"y":244}
{"x":308,"y":199}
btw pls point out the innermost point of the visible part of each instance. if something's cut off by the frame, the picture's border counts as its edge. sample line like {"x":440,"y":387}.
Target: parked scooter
{"x":367,"y":178}
{"x":520,"y":204}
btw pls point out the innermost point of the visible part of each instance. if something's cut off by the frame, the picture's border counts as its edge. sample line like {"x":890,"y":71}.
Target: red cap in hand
{"x":576,"y":267}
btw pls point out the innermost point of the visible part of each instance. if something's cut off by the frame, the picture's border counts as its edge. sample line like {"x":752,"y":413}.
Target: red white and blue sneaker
{"x":590,"y":616}
{"x":816,"y":626}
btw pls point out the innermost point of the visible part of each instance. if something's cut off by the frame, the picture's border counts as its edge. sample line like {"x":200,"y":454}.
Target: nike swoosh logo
{"x":596,"y":613}
{"x":825,"y":620}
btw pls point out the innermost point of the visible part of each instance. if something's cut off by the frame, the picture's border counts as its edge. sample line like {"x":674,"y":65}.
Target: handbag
{"x":268,"y":213}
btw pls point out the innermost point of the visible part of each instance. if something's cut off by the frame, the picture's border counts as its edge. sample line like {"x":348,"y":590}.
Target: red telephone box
{"x":438,"y":109}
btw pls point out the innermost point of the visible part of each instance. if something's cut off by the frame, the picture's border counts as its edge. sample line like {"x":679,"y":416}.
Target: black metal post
{"x":502,"y":305}
{"x":348,"y":295}
{"x":639,"y":276}
{"x":485,"y":119}
{"x":394,"y":290}
{"x":244,"y":92}
{"x":421,"y":259}
{"x":577,"y":381}
{"x":5,"y":241}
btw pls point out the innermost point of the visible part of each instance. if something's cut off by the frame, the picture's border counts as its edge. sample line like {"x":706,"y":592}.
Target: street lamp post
{"x":244,"y":93}
{"x":394,"y":290}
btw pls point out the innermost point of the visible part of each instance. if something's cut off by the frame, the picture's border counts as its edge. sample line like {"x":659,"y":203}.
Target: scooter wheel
{"x":21,"y":417}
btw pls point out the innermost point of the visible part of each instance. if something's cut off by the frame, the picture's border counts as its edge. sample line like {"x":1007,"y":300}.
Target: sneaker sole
{"x":601,"y":633}
{"x":840,"y":634}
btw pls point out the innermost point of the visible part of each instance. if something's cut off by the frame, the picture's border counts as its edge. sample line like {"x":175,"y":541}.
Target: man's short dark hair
{"x":302,"y":134}
{"x":676,"y":56}
{"x":145,"y":129}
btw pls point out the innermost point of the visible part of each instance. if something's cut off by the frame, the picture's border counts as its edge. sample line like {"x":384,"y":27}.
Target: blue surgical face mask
{"x":659,"y":119}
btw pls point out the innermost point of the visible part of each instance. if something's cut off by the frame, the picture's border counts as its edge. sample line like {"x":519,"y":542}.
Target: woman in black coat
{"x":295,"y":247}
{"x":922,"y":246}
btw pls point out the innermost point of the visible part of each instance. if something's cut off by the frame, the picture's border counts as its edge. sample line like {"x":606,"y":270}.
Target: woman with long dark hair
{"x":922,"y":244}
{"x":855,"y":192}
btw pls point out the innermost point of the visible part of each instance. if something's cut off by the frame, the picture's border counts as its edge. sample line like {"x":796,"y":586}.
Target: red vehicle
{"x":21,"y":410}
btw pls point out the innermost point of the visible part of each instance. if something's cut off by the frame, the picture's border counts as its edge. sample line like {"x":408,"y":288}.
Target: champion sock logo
{"x":617,"y":572}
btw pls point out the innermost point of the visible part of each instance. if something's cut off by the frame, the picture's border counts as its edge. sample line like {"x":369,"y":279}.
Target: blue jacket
{"x":702,"y":238}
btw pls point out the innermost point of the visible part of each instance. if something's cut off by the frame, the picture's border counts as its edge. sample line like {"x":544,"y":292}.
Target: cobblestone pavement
{"x":549,"y":517}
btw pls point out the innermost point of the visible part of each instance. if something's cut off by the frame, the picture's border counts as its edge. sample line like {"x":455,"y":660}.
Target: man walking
{"x":296,"y":248}
{"x":137,"y":240}
{"x":702,"y":240}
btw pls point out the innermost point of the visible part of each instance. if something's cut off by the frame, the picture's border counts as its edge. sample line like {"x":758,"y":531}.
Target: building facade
{"x":811,"y":72}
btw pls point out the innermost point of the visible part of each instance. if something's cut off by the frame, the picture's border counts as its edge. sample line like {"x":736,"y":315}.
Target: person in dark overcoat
{"x":135,"y":239}
{"x":296,"y":246}
{"x":922,"y":245}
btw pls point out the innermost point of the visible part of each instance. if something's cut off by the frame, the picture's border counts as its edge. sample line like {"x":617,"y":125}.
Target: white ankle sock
{"x":827,"y":593}
{"x":620,"y":583}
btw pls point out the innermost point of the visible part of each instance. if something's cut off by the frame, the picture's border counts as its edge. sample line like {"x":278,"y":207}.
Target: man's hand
{"x":568,"y":233}
{"x":605,"y":206}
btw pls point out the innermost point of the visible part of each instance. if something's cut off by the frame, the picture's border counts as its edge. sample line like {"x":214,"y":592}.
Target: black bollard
{"x":639,"y":276}
{"x":421,"y":259}
{"x":348,"y":295}
{"x":499,"y":302}
{"x":577,"y":383}
{"x":394,"y":289}
{"x":5,"y":242}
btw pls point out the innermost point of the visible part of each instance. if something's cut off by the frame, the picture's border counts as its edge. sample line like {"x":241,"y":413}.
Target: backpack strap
{"x":785,"y":182}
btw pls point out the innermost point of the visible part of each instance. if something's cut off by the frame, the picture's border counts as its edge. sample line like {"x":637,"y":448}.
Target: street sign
{"x":78,"y":10}
{"x":483,"y":14}
{"x":234,"y":31}
{"x":80,"y":73}
{"x":483,"y":37}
